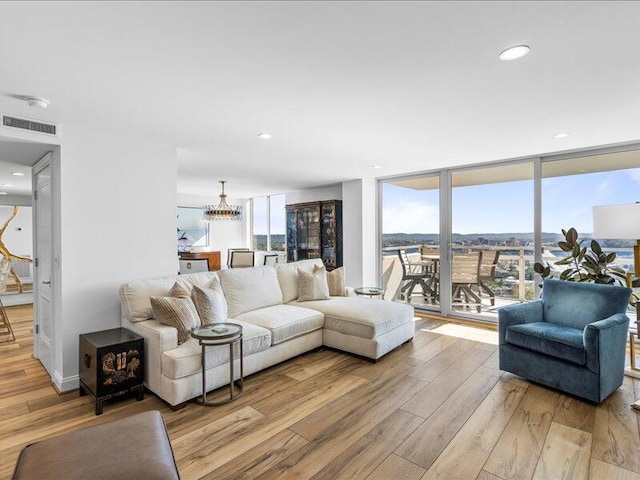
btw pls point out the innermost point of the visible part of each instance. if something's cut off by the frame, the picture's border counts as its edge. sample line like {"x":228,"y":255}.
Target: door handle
{"x":47,"y":283}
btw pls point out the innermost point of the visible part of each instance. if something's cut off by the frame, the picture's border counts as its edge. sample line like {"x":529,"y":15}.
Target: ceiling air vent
{"x":25,"y":124}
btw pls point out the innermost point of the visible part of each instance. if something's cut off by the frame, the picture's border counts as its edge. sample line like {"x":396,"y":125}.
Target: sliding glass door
{"x":411,"y":240}
{"x":492,"y":237}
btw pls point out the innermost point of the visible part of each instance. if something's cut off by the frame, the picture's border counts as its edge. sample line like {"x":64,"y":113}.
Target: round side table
{"x":219,"y":334}
{"x":370,"y":291}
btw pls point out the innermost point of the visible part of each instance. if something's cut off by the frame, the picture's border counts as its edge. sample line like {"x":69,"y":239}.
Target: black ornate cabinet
{"x":111,"y":364}
{"x":314,"y":230}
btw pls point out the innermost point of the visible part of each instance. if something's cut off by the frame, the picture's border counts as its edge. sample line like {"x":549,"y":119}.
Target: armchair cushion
{"x":551,"y":339}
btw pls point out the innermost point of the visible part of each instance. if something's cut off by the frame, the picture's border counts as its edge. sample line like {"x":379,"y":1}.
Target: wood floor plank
{"x":396,"y":468}
{"x":516,"y":454}
{"x":428,"y":400}
{"x":468,"y":451}
{"x":616,"y":439}
{"x":427,"y":442}
{"x":484,"y":475}
{"x":565,"y":454}
{"x":359,"y":460}
{"x":269,"y":427}
{"x":259,"y":459}
{"x":599,"y":470}
{"x":575,"y":413}
{"x":329,"y":439}
{"x":444,"y":360}
{"x":332,"y":415}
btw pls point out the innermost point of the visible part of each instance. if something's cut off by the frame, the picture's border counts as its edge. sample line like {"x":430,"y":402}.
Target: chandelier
{"x":222,"y":211}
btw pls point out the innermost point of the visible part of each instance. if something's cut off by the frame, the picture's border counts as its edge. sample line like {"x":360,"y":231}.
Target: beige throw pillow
{"x":313,"y":286}
{"x":178,"y":312}
{"x":335,"y":280}
{"x":210,"y":302}
{"x":178,"y":291}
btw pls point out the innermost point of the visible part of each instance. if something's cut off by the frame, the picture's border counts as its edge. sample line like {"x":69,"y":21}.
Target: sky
{"x":508,"y":207}
{"x":278,"y":215}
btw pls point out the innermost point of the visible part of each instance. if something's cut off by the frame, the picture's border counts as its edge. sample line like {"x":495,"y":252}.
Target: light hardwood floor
{"x":436,"y":408}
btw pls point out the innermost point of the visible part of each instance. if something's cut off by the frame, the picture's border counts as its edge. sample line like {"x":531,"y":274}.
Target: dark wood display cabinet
{"x":111,"y":364}
{"x":314,"y":230}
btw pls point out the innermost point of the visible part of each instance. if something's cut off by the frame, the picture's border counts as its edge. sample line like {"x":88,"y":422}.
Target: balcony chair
{"x":193,"y":265}
{"x":6,"y":332}
{"x":573,"y":339}
{"x":242,"y":259}
{"x":465,"y":272}
{"x":488,"y":264}
{"x":414,"y":274}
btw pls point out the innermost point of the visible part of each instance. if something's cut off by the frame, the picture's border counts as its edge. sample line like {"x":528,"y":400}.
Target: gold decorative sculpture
{"x":11,"y":257}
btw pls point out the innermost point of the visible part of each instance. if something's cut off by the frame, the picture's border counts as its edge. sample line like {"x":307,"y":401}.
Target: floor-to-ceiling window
{"x":494,"y":221}
{"x":259,"y":223}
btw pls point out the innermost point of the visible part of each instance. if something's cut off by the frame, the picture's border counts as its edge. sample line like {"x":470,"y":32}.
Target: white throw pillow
{"x":335,"y":280}
{"x":313,"y":286}
{"x":250,"y":288}
{"x":210,"y":302}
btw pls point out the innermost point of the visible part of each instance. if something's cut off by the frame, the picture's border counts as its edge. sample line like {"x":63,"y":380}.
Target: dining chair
{"x":5,"y":326}
{"x":270,"y":259}
{"x":231,"y":250}
{"x":465,"y":272}
{"x":193,"y":265}
{"x":242,"y":259}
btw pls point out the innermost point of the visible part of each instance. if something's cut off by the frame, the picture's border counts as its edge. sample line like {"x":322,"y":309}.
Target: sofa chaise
{"x":276,"y":326}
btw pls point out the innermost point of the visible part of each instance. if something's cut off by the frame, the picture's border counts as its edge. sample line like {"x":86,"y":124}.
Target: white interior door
{"x":43,"y":310}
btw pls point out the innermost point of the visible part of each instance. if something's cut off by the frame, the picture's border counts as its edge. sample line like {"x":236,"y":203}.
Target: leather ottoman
{"x":130,"y":448}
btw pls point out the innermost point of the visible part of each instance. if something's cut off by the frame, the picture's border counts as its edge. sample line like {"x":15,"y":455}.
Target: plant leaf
{"x":538,"y":268}
{"x":565,"y":246}
{"x":595,"y":246}
{"x":572,"y":235}
{"x":611,"y":257}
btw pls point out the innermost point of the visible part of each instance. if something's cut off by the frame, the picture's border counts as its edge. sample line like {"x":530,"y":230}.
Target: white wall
{"x":118,"y":223}
{"x":222,"y":235}
{"x":359,"y":232}
{"x":328,"y":192}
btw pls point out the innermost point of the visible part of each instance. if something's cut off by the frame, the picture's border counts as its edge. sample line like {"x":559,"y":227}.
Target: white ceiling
{"x":341,"y":86}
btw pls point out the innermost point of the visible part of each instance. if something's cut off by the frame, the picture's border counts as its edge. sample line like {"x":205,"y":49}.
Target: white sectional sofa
{"x":276,"y":326}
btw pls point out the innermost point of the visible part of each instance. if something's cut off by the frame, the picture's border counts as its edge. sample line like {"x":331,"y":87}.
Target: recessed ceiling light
{"x":377,"y":166}
{"x":4,"y":193}
{"x":37,"y":102}
{"x":7,"y":185}
{"x":264,"y":136}
{"x":513,"y":53}
{"x":17,"y":174}
{"x":562,"y":135}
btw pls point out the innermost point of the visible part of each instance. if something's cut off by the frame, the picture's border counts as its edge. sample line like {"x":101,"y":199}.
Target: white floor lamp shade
{"x":619,"y":222}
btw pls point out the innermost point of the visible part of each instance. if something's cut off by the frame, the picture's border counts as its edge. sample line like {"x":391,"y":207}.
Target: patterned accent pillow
{"x":313,"y":286}
{"x":178,"y":312}
{"x":178,"y":291}
{"x":335,"y":280}
{"x":210,"y":302}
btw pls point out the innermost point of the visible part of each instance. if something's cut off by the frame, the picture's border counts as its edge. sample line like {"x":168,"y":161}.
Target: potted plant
{"x":584,"y":264}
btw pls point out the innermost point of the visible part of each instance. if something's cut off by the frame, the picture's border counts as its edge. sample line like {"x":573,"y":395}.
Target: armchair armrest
{"x":605,"y":343}
{"x":517,"y":314}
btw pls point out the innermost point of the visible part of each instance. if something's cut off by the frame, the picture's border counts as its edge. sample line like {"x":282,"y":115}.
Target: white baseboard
{"x":13,"y":299}
{"x":65,"y":384}
{"x":632,"y":373}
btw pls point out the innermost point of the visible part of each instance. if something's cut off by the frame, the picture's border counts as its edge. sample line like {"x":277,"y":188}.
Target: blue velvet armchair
{"x":574,"y":339}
